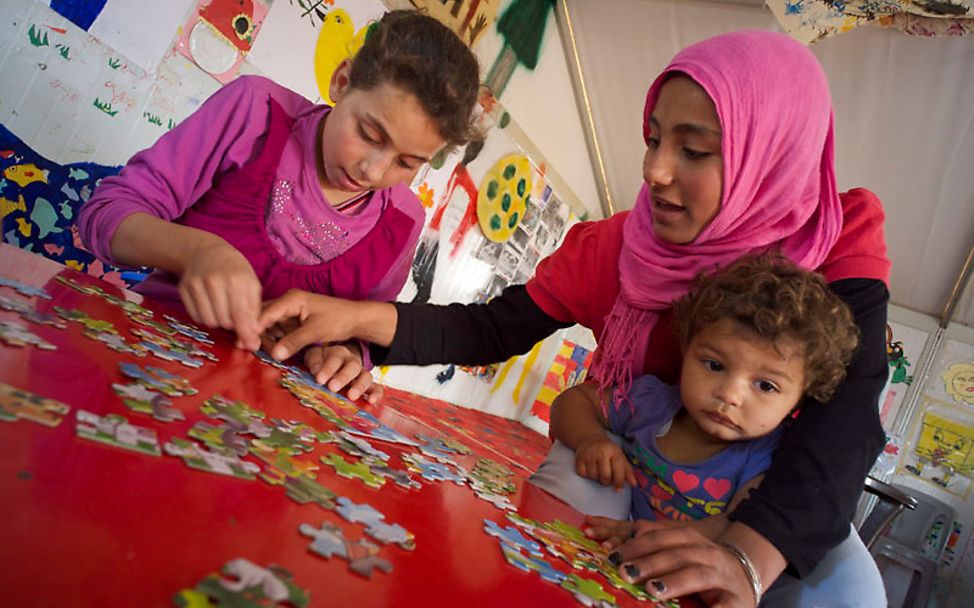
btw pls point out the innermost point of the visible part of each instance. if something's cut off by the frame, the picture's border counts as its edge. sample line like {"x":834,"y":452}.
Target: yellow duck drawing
{"x":337,"y":41}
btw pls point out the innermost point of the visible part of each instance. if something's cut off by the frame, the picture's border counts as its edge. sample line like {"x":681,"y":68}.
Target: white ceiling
{"x":904,"y":122}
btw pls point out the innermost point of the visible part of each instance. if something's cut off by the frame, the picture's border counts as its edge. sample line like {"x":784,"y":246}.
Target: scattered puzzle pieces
{"x":376,"y":527}
{"x":360,"y":554}
{"x":213,"y":460}
{"x":16,"y":403}
{"x":29,"y":313}
{"x":513,"y":537}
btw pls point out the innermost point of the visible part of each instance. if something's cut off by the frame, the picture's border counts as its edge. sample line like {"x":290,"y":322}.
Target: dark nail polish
{"x":632,"y":571}
{"x":615,"y":559}
{"x":658,"y":585}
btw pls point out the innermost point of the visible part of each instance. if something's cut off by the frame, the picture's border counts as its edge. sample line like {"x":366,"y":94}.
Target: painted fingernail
{"x":615,"y":559}
{"x":632,"y":571}
{"x":658,"y":585}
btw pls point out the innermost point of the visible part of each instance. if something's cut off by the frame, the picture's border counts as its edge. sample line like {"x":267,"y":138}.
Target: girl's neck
{"x":686,"y":443}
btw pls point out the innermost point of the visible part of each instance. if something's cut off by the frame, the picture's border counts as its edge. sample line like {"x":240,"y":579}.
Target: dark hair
{"x":421,"y":55}
{"x":774,"y":299}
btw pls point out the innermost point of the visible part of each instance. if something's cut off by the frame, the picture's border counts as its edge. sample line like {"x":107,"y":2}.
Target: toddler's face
{"x":374,"y":138}
{"x":683,"y":164}
{"x":737,"y":386}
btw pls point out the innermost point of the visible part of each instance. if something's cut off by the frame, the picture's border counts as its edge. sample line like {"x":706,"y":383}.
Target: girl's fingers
{"x":329,"y":365}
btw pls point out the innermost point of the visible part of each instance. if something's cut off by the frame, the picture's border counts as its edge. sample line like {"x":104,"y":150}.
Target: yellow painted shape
{"x":337,"y":41}
{"x":502,"y":374}
{"x":529,"y":360}
{"x":75,"y":264}
{"x":502,"y":197}
{"x":23,"y":175}
{"x":23,"y":226}
{"x":8,"y":206}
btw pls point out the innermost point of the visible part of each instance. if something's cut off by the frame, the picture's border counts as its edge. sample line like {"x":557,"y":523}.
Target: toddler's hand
{"x":220,"y":289}
{"x":610,"y":532}
{"x":599,"y":458}
{"x":340,"y":365}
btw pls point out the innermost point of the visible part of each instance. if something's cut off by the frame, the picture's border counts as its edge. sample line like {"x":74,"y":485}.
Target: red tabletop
{"x":85,"y":524}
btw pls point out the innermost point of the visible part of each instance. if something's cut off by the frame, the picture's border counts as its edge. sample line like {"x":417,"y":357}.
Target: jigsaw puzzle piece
{"x":213,"y":460}
{"x":245,"y":585}
{"x":115,"y":430}
{"x":140,"y":399}
{"x":24,"y":289}
{"x":16,"y":403}
{"x":513,"y":537}
{"x":15,"y":334}
{"x":357,"y":470}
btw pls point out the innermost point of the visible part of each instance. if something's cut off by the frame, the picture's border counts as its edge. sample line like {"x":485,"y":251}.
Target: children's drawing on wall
{"x":219,"y":34}
{"x":39,"y":201}
{"x":302,"y":42}
{"x":952,"y":375}
{"x":85,"y":101}
{"x":114,"y":22}
{"x":885,"y":464}
{"x":521,"y":26}
{"x":959,"y":382}
{"x":460,"y":184}
{"x":569,"y":368}
{"x":468,"y":18}
{"x":903,"y":348}
{"x":942,"y":452}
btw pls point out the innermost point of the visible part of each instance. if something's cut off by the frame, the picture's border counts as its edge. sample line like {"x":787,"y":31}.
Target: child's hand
{"x":599,"y":458}
{"x":220,"y":289}
{"x":340,"y":365}
{"x":610,"y":532}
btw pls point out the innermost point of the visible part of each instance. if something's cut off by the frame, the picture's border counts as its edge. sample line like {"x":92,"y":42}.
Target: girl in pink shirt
{"x":261,"y":191}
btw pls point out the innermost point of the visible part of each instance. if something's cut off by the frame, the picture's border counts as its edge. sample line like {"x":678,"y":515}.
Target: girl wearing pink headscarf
{"x":739,"y":159}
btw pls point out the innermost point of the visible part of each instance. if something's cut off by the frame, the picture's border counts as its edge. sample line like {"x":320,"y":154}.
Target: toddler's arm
{"x":577,"y":421}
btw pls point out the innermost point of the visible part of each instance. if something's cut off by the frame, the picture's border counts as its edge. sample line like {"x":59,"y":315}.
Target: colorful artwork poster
{"x":39,"y":203}
{"x":903,"y":348}
{"x":302,"y":42}
{"x":569,"y":368}
{"x":141,"y":31}
{"x":941,"y":449}
{"x":219,"y":34}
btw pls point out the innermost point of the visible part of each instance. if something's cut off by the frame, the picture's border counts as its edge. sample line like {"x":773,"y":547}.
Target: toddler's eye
{"x":767,"y":387}
{"x":712,"y":365}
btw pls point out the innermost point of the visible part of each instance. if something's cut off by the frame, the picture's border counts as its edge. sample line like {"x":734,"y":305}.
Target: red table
{"x":86,"y":524}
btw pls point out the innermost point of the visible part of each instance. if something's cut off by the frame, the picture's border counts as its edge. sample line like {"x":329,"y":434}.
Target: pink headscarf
{"x":779,"y":188}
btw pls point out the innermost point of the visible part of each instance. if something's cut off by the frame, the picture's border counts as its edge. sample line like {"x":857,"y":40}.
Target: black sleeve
{"x":808,"y":497}
{"x":467,"y":334}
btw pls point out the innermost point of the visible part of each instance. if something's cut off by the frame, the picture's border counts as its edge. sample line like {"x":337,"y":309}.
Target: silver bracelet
{"x":749,"y":570}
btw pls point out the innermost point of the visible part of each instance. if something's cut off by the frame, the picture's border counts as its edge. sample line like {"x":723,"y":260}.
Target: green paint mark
{"x":492,"y":189}
{"x":104,"y":106}
{"x":506,"y":202}
{"x":114,"y":63}
{"x":36,"y":38}
{"x":509,"y":171}
{"x":505,"y":120}
{"x":511,"y":223}
{"x":522,"y":185}
{"x":63,"y":50}
{"x":495,"y":222}
{"x":152,"y":119}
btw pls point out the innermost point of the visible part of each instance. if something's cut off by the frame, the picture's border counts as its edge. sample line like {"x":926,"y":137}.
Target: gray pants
{"x":846,"y":577}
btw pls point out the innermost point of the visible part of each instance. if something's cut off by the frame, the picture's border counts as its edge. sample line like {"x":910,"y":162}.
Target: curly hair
{"x":424,"y":57}
{"x":775,"y":299}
